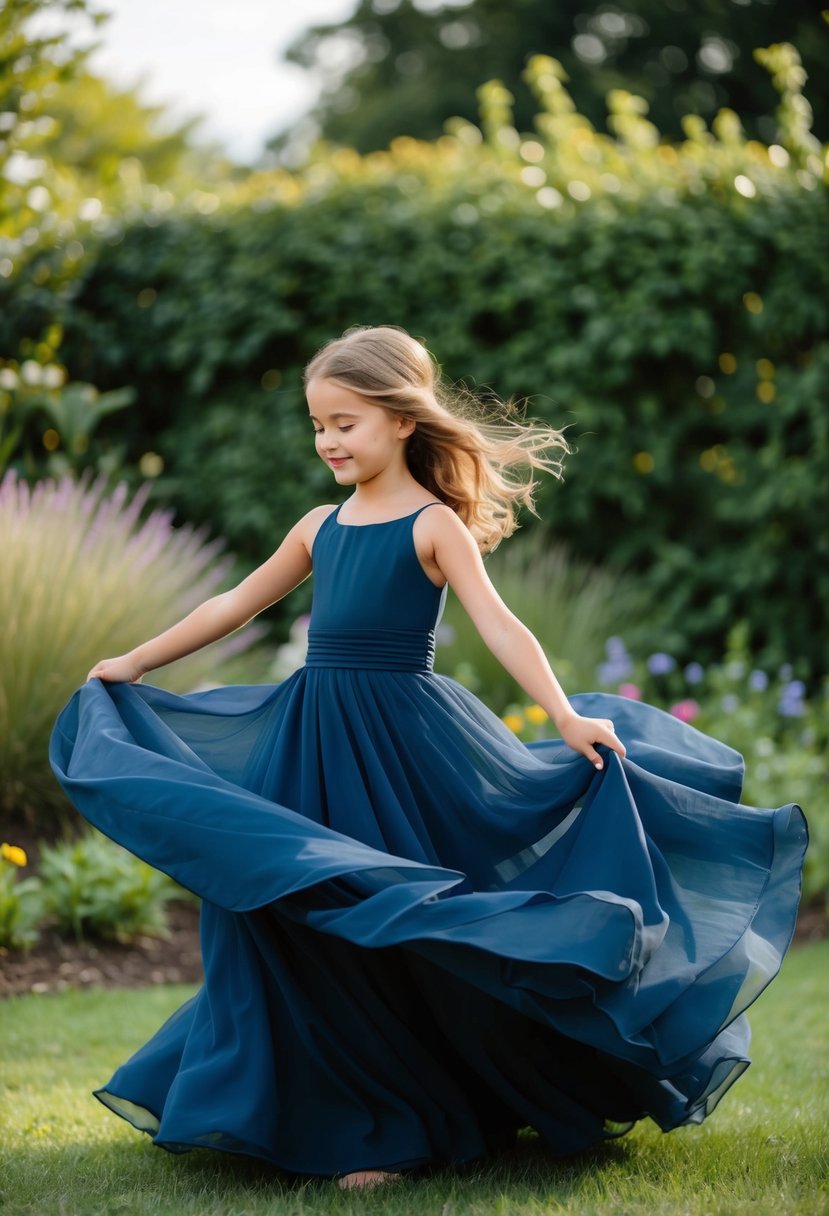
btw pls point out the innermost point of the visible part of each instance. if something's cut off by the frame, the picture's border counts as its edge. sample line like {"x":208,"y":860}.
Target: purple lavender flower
{"x":730,"y":702}
{"x":694,"y":673}
{"x":619,"y":664}
{"x":613,"y":671}
{"x":791,"y":703}
{"x":758,"y":681}
{"x":659,"y":664}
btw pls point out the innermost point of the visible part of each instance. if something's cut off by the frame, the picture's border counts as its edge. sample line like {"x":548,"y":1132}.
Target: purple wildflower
{"x":791,"y":703}
{"x":758,"y":681}
{"x":694,"y":673}
{"x":613,"y":671}
{"x":618,"y":665}
{"x":659,"y":664}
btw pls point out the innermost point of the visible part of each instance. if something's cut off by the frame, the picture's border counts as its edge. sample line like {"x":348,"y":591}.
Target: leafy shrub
{"x":93,"y":887}
{"x":82,"y":579}
{"x":21,"y":902}
{"x":668,"y":300}
{"x":71,"y":413}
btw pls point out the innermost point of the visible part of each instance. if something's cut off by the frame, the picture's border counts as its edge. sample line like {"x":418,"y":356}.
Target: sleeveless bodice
{"x":373,"y":604}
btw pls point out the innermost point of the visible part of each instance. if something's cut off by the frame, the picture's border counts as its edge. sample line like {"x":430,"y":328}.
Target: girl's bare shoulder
{"x":439,"y":518}
{"x":312,"y":521}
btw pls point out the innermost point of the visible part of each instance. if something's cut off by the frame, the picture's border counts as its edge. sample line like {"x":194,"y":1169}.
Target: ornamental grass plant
{"x":82,"y":578}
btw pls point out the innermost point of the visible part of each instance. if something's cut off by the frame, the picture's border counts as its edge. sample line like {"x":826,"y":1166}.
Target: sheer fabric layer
{"x":420,"y":933}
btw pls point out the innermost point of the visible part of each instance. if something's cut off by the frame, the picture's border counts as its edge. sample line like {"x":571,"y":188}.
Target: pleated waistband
{"x":390,"y":649}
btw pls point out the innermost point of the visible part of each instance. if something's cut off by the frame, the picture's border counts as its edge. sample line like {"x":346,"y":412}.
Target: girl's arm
{"x":221,"y":614}
{"x":508,"y":638}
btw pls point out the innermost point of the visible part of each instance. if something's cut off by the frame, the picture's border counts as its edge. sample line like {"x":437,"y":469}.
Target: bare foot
{"x":364,"y":1178}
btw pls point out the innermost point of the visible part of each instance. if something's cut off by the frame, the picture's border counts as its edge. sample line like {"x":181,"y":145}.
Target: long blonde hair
{"x":458,"y":450}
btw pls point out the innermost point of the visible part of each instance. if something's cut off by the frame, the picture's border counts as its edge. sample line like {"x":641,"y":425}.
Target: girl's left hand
{"x":124,"y":669}
{"x":581,"y":733}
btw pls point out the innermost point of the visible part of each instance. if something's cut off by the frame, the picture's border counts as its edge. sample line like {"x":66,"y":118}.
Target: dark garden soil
{"x":55,"y":964}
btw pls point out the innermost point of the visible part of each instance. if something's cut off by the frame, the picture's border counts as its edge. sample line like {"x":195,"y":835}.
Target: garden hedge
{"x":671,"y":308}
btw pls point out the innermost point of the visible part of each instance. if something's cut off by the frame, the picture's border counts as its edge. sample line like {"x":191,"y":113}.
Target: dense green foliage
{"x":413,"y":65}
{"x":87,"y":886}
{"x":92,"y":887}
{"x":21,"y":901}
{"x":669,"y":304}
{"x":74,"y":151}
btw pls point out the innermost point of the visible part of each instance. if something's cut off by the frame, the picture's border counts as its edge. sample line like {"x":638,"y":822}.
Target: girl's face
{"x":356,"y":439}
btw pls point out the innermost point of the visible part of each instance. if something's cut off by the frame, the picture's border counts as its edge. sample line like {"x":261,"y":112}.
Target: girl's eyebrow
{"x":339,"y":415}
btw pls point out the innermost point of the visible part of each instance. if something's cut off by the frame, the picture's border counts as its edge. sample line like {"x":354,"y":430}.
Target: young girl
{"x":420,"y":934}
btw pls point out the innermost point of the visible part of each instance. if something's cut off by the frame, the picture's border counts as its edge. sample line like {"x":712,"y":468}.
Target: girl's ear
{"x":407,"y":427}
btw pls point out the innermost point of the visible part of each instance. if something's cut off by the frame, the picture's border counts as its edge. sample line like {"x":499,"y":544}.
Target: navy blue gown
{"x":419,"y":933}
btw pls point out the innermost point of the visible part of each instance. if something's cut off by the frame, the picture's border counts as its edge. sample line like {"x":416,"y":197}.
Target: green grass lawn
{"x":765,"y":1150}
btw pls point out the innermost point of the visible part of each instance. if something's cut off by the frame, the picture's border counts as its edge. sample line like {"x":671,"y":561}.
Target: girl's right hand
{"x":124,"y":669}
{"x":581,"y":733}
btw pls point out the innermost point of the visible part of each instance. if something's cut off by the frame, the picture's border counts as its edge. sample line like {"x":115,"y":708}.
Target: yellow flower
{"x":536,"y":714}
{"x":13,"y":853}
{"x":513,"y":721}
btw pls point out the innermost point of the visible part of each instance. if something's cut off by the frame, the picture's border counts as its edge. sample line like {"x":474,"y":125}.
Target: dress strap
{"x":436,"y":503}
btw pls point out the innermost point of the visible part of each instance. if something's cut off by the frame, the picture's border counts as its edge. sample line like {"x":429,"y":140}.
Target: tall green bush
{"x":670,"y":303}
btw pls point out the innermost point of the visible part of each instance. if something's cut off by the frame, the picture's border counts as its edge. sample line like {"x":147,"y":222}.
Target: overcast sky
{"x":219,"y":58}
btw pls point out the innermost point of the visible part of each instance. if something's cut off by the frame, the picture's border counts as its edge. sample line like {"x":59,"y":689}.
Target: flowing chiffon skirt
{"x":420,"y":933}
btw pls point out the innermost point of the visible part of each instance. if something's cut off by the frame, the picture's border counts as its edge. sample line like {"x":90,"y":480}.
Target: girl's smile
{"x":375,"y":438}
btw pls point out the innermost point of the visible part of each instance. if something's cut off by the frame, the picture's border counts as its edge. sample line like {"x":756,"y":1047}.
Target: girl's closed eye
{"x":319,"y":430}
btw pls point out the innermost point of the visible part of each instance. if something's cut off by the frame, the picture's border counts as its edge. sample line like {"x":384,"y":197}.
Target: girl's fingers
{"x":614,"y":741}
{"x":594,"y":758}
